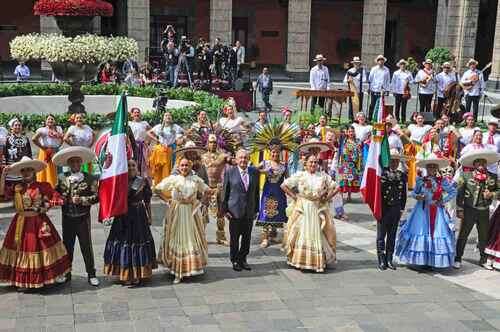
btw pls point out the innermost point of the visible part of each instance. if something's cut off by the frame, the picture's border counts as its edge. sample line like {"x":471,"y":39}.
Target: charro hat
{"x":402,"y":62}
{"x":431,"y":159}
{"x":491,"y":157}
{"x":312,"y":144}
{"x":429,"y":61}
{"x":356,"y":59}
{"x":472,"y":62}
{"x":190,"y":147}
{"x":380,"y":56}
{"x":319,"y":57}
{"x":495,"y":111}
{"x":26,"y":162}
{"x":395,"y":154}
{"x":61,"y":158}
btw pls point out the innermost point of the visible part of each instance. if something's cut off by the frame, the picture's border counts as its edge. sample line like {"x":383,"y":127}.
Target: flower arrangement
{"x":80,"y":49}
{"x":73,"y":8}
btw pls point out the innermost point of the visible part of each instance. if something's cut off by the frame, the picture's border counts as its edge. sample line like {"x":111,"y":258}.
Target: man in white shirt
{"x":426,"y":86}
{"x":380,"y":81}
{"x":443,"y":80}
{"x":240,"y":55}
{"x":356,"y":76}
{"x":473,"y":84}
{"x":319,"y":78}
{"x":492,"y":139}
{"x":400,"y":85}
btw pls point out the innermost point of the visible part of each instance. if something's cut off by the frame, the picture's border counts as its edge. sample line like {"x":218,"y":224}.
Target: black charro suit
{"x":242,"y":206}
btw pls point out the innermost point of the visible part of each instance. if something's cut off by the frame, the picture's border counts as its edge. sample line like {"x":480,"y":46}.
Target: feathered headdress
{"x":274,"y":134}
{"x":225,"y":139}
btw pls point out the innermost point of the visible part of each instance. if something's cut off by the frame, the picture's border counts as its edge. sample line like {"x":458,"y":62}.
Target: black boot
{"x":382,"y":262}
{"x":390,"y":264}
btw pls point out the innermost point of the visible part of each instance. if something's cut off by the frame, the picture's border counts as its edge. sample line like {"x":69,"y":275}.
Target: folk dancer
{"x":473,"y":83}
{"x":476,"y":190}
{"x":79,"y":191}
{"x":380,"y":82}
{"x":443,"y":81}
{"x":400,"y":88}
{"x":394,"y":183}
{"x":426,"y":86}
{"x":355,"y":77}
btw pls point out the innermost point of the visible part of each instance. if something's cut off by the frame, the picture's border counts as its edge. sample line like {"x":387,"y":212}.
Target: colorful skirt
{"x":493,"y":246}
{"x":130,"y":248}
{"x":348,"y":175}
{"x":161,"y":161}
{"x":48,"y":174}
{"x":32,"y":254}
{"x":272,"y":206}
{"x":417,"y":246}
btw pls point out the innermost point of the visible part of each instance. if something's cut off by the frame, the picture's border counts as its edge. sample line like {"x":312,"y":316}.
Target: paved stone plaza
{"x":272,"y":297}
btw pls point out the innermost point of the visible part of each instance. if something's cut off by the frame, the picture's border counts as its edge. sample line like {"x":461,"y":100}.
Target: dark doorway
{"x":390,"y":46}
{"x":115,"y":25}
{"x":240,"y":30}
{"x":486,"y":33}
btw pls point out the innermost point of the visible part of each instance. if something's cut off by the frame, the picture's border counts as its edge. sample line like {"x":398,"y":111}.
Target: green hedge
{"x":183,"y":116}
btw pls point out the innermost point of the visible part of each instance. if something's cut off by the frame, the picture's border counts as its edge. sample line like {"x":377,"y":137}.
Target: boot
{"x":389,"y":263}
{"x":382,"y":262}
{"x":265,"y":238}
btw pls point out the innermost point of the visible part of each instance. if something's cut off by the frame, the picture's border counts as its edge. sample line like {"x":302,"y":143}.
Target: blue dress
{"x":273,"y":201}
{"x":422,"y":242}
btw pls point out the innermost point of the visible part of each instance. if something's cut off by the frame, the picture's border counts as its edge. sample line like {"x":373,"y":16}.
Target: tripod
{"x":183,"y":65}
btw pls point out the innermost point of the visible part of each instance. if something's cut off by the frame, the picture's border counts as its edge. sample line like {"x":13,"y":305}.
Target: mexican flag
{"x":378,"y":158}
{"x":378,"y":115}
{"x":113,"y":186}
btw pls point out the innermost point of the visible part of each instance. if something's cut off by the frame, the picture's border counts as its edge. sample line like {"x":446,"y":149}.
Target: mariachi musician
{"x":473,"y":84}
{"x":400,"y":88}
{"x":355,"y":77}
{"x":426,"y":86}
{"x":444,"y":81}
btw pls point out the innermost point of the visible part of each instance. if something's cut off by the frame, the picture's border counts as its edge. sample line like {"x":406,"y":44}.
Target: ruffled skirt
{"x":417,"y":246}
{"x":48,"y":174}
{"x":493,"y":246}
{"x":34,"y":257}
{"x":161,"y":161}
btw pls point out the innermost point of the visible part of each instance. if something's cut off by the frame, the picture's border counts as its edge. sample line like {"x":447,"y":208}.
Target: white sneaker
{"x":457,"y":265}
{"x":61,"y":280}
{"x":93,"y":281}
{"x":488,"y":265}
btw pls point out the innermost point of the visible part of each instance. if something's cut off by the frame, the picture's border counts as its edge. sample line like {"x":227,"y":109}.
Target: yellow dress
{"x":48,"y":174}
{"x":311,"y":239}
{"x":160,"y":162}
{"x":184,"y":248}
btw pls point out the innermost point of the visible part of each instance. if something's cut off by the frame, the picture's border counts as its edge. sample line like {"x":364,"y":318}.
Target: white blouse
{"x":418,"y":133}
{"x":139,"y":129}
{"x":310,"y":185}
{"x":362,"y":132}
{"x":81,"y":136}
{"x":235,"y":125}
{"x":466,"y":134}
{"x":168,"y":135}
{"x":47,"y":138}
{"x":182,"y":187}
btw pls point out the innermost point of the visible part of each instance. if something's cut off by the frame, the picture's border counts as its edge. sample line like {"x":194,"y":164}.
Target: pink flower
{"x":73,"y":8}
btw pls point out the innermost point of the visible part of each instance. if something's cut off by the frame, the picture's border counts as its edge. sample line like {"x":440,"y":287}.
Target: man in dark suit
{"x":240,"y":205}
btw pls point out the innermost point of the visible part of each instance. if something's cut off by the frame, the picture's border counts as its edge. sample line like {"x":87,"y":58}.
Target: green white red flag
{"x":113,"y":186}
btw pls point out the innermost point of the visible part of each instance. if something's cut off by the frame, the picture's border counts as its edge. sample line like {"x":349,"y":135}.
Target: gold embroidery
{"x":271,"y":207}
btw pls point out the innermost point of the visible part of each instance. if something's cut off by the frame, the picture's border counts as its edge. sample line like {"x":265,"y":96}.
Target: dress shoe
{"x":237,"y":267}
{"x":245,"y":266}
{"x":389,"y":263}
{"x":382,"y":262}
{"x":457,"y":265}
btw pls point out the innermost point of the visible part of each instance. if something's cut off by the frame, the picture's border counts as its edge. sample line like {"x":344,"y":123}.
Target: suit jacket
{"x":260,"y":84}
{"x":86,"y":189}
{"x":235,"y":200}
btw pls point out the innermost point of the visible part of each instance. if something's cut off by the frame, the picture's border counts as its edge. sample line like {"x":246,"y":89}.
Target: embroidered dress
{"x":349,"y":166}
{"x":493,"y":245}
{"x":427,"y":238}
{"x":130,"y":248}
{"x":311,"y":239}
{"x":273,"y":201}
{"x":52,"y":141}
{"x":33,"y":254}
{"x":139,"y":130}
{"x":184,"y":249}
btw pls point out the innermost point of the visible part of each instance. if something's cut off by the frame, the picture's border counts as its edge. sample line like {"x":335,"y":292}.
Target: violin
{"x":407,"y":91}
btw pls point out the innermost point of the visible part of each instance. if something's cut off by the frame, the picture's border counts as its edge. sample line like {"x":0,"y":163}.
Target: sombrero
{"x":190,"y":147}
{"x":61,"y":158}
{"x":472,"y":62}
{"x":428,"y":61}
{"x":491,"y":157}
{"x":395,"y":154}
{"x":26,"y":162}
{"x":380,"y":56}
{"x":356,"y":59}
{"x":432,"y":159}
{"x":319,"y":57}
{"x":402,"y":62}
{"x":312,"y":144}
{"x":495,"y":111}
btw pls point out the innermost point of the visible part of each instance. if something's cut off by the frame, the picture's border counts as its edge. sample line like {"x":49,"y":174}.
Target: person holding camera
{"x":186,"y":51}
{"x":218,"y":55}
{"x":171,"y":55}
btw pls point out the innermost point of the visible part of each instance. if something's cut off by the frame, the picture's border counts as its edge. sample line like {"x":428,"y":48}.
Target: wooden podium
{"x":340,"y":96}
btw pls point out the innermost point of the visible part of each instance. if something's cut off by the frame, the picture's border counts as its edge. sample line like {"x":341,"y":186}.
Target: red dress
{"x":493,"y":245}
{"x":33,"y":254}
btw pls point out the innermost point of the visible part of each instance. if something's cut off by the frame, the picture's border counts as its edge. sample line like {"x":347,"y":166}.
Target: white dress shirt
{"x":380,"y":79}
{"x":240,"y":55}
{"x":399,"y":80}
{"x":443,"y":80}
{"x":319,"y":78}
{"x":478,"y":88}
{"x":356,"y":79}
{"x":431,"y":85}
{"x":496,"y":140}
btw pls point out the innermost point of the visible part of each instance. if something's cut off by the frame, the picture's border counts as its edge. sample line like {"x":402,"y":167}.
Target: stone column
{"x":138,"y":26}
{"x":221,"y":20}
{"x":456,"y":28}
{"x":47,"y":25}
{"x":299,"y":36}
{"x":494,"y":78}
{"x":373,"y":38}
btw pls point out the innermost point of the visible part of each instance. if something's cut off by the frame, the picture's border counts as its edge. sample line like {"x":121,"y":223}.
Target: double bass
{"x":407,"y":90}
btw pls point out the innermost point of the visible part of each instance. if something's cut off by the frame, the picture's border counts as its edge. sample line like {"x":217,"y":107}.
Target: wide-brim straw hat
{"x":491,"y":157}
{"x":27,"y":162}
{"x":493,"y":121}
{"x":85,"y":154}
{"x":446,"y":64}
{"x":319,"y":57}
{"x":402,"y":62}
{"x":429,"y":61}
{"x":306,"y":147}
{"x":356,"y":59}
{"x":395,"y":154}
{"x":432,"y":160}
{"x":472,"y":62}
{"x":380,"y":56}
{"x":495,"y":111}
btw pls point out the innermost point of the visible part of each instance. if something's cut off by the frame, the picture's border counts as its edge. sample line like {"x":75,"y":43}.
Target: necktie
{"x":490,"y":139}
{"x":244,"y":177}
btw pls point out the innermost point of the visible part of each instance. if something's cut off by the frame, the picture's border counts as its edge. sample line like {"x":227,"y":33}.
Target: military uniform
{"x":394,"y":184}
{"x":76,"y":217}
{"x":475,"y":210}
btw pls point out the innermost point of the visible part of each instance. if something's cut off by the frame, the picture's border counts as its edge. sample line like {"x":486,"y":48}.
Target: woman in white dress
{"x":232,"y":122}
{"x":311,"y":238}
{"x":184,"y":249}
{"x":49,"y":139}
{"x":363,"y":133}
{"x":467,"y":132}
{"x":80,"y":134}
{"x":140,"y":129}
{"x":417,"y":133}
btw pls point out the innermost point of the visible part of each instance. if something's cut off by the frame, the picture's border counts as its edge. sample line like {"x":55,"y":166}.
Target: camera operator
{"x":218,"y":54}
{"x":168,"y":36}
{"x":199,"y":57}
{"x":233,"y":64}
{"x":207,"y":60}
{"x":184,"y":51}
{"x":171,"y":55}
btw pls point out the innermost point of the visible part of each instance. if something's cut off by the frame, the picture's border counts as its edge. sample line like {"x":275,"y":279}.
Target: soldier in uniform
{"x":215,"y":162}
{"x":394,"y":184}
{"x":476,"y":190}
{"x":79,"y":191}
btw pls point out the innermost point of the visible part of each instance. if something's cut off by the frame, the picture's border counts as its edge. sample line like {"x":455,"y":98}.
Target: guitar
{"x":474,"y":79}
